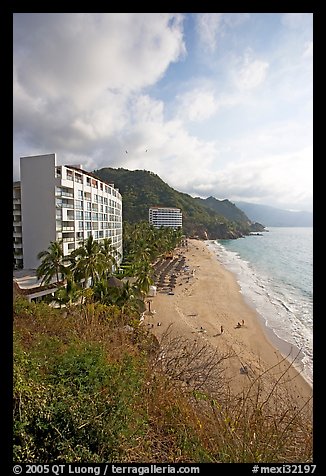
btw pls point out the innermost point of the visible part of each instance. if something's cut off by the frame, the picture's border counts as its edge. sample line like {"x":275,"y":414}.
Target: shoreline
{"x":208,"y":297}
{"x":287,"y":350}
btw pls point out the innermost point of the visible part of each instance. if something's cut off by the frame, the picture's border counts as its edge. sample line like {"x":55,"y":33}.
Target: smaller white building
{"x":165,"y":216}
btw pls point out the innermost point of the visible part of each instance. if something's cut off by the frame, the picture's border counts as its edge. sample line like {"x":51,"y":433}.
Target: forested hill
{"x":142,"y":189}
{"x":225,"y":208}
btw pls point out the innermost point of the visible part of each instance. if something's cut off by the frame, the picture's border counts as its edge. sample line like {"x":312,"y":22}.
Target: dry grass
{"x":183,"y":408}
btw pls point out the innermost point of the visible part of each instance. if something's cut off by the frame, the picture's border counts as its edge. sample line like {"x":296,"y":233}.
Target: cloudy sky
{"x":215,"y":103}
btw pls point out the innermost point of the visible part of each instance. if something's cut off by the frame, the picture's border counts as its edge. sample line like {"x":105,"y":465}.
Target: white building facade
{"x":165,"y":216}
{"x":61,"y":203}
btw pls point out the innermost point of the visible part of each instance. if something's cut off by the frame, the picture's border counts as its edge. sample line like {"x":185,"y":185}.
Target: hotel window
{"x":67,"y":204}
{"x":80,"y":225}
{"x":70,"y":175}
{"x":88,"y":225}
{"x":89,"y":206}
{"x":58,"y":172}
{"x":88,"y":181}
{"x":87,"y":215}
{"x":78,"y":178}
{"x":80,"y":194}
{"x":94,"y":207}
{"x":78,"y":204}
{"x":96,"y":198}
{"x":94,"y":183}
{"x":105,"y":200}
{"x":94,"y":216}
{"x":101,"y":186}
{"x":79,"y":215}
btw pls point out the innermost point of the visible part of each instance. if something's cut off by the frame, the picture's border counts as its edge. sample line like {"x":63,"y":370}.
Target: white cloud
{"x":211,"y":26}
{"x":308,"y":50}
{"x":296,"y":20}
{"x":76,"y":75}
{"x":251,"y":72}
{"x":207,"y":27}
{"x":278,"y":180}
{"x":197,"y":105}
{"x":82,"y":55}
{"x":82,"y":90}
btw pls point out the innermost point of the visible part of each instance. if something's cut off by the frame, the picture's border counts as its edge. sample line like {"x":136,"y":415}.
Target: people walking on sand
{"x":242,"y":322}
{"x":238,"y":325}
{"x":222,"y":329}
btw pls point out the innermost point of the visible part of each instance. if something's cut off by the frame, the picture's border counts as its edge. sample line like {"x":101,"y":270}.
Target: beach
{"x":206,"y":306}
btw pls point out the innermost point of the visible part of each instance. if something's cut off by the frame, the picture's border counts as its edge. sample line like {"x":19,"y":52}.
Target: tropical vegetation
{"x":88,"y":271}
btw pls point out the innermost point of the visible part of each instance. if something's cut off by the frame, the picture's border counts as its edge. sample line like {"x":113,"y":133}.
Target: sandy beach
{"x":206,"y":297}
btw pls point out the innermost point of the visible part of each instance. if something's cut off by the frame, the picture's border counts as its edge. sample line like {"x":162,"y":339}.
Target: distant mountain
{"x":271,"y":216}
{"x":142,"y":189}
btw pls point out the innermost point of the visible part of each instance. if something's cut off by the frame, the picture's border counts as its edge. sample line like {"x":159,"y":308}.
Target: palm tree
{"x":52,"y":263}
{"x":68,"y":294}
{"x":144,"y":275}
{"x":110,"y":255}
{"x":88,"y":261}
{"x":130,"y":300}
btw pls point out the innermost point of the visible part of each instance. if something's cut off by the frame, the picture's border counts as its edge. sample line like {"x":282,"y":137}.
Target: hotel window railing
{"x":67,"y":194}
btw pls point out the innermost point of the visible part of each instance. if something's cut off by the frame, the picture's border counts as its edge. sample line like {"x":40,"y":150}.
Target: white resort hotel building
{"x":65,"y":203}
{"x":165,"y":216}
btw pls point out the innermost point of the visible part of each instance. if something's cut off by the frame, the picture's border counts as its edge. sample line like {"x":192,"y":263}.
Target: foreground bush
{"x":89,"y":388}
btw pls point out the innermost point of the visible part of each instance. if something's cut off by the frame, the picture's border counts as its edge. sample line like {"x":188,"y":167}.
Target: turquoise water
{"x":275,"y":273}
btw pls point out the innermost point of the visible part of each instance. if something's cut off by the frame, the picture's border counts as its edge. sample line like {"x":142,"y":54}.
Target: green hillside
{"x":142,"y":189}
{"x":225,"y":208}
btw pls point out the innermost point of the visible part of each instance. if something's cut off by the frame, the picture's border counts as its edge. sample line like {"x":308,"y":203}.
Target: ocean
{"x":275,"y":274}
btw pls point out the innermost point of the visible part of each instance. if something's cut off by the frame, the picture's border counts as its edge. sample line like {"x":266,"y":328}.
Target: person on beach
{"x":238,"y":325}
{"x":222,"y":329}
{"x":242,"y":322}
